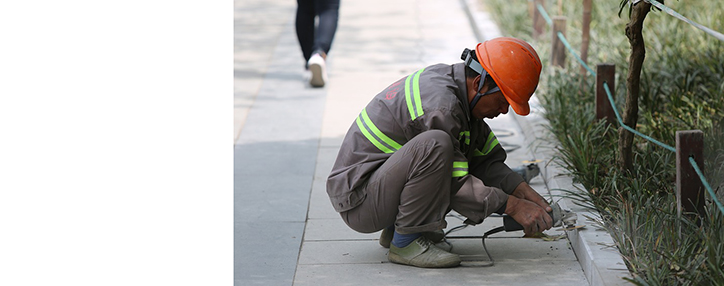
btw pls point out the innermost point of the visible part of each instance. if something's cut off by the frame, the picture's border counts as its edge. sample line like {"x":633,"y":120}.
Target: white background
{"x":116,"y":123}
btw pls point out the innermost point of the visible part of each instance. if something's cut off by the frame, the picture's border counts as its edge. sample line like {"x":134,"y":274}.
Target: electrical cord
{"x":488,"y":233}
{"x":492,"y":231}
{"x":509,"y":147}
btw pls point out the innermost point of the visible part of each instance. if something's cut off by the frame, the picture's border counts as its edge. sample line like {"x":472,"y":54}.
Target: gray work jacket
{"x":432,"y":98}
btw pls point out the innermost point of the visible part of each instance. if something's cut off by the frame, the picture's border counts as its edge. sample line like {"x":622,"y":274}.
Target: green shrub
{"x":682,"y":88}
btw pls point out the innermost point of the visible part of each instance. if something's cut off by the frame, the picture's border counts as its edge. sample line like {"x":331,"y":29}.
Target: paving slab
{"x":271,"y":198}
{"x":342,"y":252}
{"x":319,"y":205}
{"x":334,"y":229}
{"x":386,"y":273}
{"x":262,"y":252}
{"x":257,"y":28}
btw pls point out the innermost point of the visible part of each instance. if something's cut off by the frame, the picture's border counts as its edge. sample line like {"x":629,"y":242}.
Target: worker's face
{"x":491,"y":105}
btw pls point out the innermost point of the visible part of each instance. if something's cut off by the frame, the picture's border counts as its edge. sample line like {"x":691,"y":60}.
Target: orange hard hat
{"x":514,"y":66}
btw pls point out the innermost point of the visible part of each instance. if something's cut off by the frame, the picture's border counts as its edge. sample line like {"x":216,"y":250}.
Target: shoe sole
{"x":317,"y":75}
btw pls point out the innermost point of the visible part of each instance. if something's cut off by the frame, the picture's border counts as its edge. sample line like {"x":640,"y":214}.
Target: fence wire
{"x":573,"y":52}
{"x":671,"y":12}
{"x":718,"y":35}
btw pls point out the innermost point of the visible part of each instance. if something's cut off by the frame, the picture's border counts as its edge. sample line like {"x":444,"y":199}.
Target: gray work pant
{"x":413,"y":190}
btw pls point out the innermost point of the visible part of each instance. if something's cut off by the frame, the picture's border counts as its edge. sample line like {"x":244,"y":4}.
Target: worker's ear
{"x":481,"y":88}
{"x":476,"y":83}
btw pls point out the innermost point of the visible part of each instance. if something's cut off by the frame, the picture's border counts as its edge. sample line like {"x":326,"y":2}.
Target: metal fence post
{"x":689,"y":188}
{"x":605,"y":73}
{"x":558,"y":51}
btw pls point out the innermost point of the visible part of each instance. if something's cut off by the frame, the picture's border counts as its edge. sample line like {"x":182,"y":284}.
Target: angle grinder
{"x":561,"y":217}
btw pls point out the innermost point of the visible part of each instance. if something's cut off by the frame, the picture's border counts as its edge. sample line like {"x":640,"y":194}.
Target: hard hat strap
{"x":470,"y":61}
{"x":475,"y":101}
{"x":493,"y":89}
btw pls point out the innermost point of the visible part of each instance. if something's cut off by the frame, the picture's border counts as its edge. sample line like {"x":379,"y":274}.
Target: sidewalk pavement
{"x":287,"y":136}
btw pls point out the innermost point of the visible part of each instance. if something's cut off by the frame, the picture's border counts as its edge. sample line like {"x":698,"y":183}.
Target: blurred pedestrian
{"x":316,"y":41}
{"x":420,"y":148}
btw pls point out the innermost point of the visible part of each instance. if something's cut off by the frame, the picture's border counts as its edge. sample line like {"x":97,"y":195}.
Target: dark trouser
{"x":410,"y":190}
{"x":311,"y":39}
{"x":414,"y":190}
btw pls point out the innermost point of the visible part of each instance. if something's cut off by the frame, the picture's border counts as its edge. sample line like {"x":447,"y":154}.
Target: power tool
{"x":565,"y":218}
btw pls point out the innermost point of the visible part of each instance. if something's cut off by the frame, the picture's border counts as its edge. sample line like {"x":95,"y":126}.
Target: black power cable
{"x":488,"y":233}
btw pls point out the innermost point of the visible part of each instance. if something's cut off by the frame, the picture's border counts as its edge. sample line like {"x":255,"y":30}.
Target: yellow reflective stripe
{"x":416,"y":90}
{"x":372,"y":139}
{"x":489,"y":144}
{"x":393,"y":146}
{"x":457,"y":174}
{"x":408,"y":97}
{"x":459,"y":164}
{"x":379,"y":133}
{"x":412,"y":95}
{"x":467,"y":137}
{"x":460,"y":168}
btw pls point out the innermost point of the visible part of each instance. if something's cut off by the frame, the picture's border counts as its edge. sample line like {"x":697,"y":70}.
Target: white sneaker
{"x":318,"y":68}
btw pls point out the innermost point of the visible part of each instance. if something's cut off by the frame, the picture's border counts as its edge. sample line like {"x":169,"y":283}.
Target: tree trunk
{"x":638,"y":52}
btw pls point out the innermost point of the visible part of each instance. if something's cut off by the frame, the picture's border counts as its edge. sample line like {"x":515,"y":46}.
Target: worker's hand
{"x":524,"y":191}
{"x":531,"y":216}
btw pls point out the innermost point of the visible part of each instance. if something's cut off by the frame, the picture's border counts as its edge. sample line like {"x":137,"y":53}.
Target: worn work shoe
{"x":386,"y":236}
{"x":423,"y":253}
{"x":318,"y":68}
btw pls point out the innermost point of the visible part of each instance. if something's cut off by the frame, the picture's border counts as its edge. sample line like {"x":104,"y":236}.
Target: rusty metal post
{"x":689,"y":188}
{"x":558,"y":51}
{"x":605,"y":73}
{"x":538,"y":21}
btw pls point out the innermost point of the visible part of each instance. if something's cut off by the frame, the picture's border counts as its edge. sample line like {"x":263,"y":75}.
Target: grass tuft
{"x":682,"y":88}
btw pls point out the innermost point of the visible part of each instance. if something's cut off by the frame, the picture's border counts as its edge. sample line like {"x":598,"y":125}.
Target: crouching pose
{"x":421,"y":148}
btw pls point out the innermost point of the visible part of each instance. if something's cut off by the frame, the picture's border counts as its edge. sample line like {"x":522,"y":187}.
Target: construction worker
{"x":421,"y":148}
